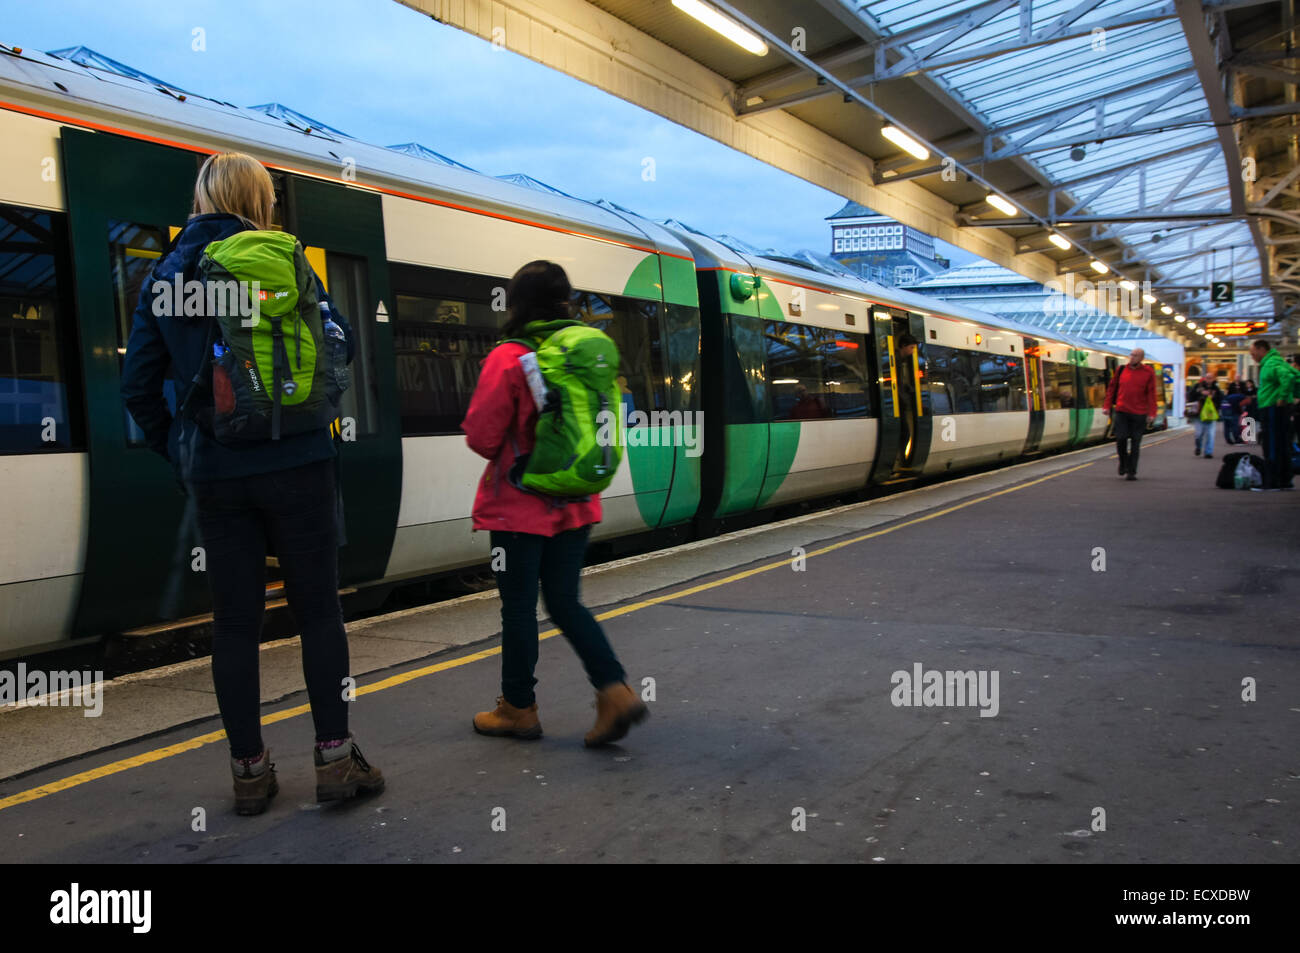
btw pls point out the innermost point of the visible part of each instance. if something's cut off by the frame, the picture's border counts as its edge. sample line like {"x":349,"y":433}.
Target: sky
{"x":386,"y":74}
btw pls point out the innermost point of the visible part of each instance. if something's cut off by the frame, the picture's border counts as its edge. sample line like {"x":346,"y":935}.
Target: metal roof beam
{"x":953,"y":27}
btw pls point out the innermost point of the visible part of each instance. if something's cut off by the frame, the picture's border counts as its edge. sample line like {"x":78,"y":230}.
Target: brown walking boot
{"x":617,"y":709}
{"x":342,"y":772}
{"x":508,"y":721}
{"x":255,"y":783}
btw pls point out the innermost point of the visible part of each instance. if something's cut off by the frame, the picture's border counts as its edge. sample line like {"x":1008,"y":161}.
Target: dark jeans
{"x":556,"y":563}
{"x":1129,"y":429}
{"x":1275,"y":443}
{"x":294,"y":513}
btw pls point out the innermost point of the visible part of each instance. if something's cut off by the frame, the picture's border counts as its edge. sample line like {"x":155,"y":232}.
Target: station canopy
{"x":1157,"y":139}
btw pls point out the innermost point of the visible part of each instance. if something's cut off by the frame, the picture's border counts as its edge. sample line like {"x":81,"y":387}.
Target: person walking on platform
{"x":1279,"y":385}
{"x":275,"y":495}
{"x":1131,"y":405}
{"x":538,"y":539}
{"x":1230,"y":409}
{"x":1203,"y":411}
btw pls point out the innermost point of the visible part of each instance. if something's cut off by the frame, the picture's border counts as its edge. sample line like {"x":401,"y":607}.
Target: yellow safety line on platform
{"x":159,"y":754}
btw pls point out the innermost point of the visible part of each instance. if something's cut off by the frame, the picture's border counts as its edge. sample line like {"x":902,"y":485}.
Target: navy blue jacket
{"x":177,"y":348}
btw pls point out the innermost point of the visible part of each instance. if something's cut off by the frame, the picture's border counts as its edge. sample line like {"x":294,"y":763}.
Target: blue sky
{"x":386,"y":74}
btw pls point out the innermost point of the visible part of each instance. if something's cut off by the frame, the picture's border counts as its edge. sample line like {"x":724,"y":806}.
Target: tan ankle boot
{"x":617,"y":709}
{"x":508,"y":721}
{"x":255,"y":783}
{"x":347,"y":775}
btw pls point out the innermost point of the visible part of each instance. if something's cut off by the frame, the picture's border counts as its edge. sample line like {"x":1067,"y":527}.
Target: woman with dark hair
{"x":536,"y":539}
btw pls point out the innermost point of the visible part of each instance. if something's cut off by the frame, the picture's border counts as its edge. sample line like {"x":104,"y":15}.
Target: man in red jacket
{"x":1132,"y":397}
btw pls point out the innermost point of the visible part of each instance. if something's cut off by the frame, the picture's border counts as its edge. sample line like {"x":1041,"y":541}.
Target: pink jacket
{"x":500,"y":424}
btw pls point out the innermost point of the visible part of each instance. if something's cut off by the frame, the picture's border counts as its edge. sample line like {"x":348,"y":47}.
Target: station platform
{"x":777,"y":700}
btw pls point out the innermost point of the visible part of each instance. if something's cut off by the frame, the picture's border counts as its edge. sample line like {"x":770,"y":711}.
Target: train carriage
{"x":795,"y":369}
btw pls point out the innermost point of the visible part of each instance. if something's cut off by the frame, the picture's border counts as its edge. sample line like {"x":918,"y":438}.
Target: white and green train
{"x":749,"y":383}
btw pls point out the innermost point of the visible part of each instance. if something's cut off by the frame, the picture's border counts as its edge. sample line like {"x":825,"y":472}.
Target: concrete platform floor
{"x":775,"y":687}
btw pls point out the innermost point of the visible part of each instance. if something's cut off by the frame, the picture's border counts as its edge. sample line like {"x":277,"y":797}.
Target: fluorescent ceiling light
{"x":1100,"y":267}
{"x":1128,"y":285}
{"x":1191,"y":325}
{"x":1001,"y":204}
{"x":904,"y":142}
{"x":1179,"y":318}
{"x":716,"y":20}
{"x":1165,"y":309}
{"x":1059,"y":241}
{"x":1149,"y":299}
{"x":1221,"y":344}
{"x":1201,"y":331}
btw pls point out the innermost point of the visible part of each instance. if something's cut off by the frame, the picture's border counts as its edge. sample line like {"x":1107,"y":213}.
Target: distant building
{"x":880,"y":249}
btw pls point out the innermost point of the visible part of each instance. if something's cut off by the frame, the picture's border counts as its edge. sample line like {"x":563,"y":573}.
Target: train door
{"x":142,"y":563}
{"x":905,"y":424}
{"x":342,"y":230}
{"x":1112,"y":365}
{"x":1034,"y":384}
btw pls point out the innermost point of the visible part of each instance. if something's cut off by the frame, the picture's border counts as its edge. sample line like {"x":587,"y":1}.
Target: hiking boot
{"x":255,"y":783}
{"x":617,"y":709}
{"x":342,"y":772}
{"x":507,"y":721}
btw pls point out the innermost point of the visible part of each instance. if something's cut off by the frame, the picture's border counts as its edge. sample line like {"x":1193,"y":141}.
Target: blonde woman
{"x":272,"y":496}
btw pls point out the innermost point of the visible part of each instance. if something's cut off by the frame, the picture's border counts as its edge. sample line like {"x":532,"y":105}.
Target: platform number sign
{"x":1221,"y":292}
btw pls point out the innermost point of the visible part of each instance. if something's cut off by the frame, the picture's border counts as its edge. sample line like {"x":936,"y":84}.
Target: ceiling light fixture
{"x":720,"y":22}
{"x":1001,"y":204}
{"x":1060,"y":241}
{"x":905,"y":142}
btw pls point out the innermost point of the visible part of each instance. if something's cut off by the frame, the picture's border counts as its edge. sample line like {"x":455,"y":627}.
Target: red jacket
{"x":499,"y":425}
{"x":1137,"y":391}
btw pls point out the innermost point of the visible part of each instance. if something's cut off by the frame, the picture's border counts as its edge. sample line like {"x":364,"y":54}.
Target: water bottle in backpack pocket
{"x":337,"y":379}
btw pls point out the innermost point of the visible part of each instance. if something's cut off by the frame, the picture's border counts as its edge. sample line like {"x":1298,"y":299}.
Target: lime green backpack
{"x":579,"y":434}
{"x":279,"y":365}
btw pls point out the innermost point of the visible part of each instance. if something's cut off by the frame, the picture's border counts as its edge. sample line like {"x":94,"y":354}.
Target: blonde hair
{"x":237,"y":184}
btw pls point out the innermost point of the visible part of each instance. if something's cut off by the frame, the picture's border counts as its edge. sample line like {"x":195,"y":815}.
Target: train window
{"x":815,"y":373}
{"x":1058,"y":381}
{"x":634,"y":325}
{"x":349,"y":288}
{"x":1094,"y":387}
{"x":745,"y":371}
{"x":444,"y":325}
{"x":682,"y":324}
{"x":134,"y":251}
{"x":1002,"y":383}
{"x":953,"y":377}
{"x":39,"y":371}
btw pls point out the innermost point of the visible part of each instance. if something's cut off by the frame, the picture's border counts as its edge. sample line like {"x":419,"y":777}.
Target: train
{"x":748,"y":382}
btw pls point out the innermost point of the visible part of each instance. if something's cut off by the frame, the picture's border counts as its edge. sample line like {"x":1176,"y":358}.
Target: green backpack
{"x":579,"y":437}
{"x":279,"y":365}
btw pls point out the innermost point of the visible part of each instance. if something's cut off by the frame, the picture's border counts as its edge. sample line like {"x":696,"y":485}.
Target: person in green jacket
{"x":1279,"y":386}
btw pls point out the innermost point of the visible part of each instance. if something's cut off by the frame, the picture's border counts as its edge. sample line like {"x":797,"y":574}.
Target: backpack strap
{"x":278,"y":356}
{"x":203,"y":376}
